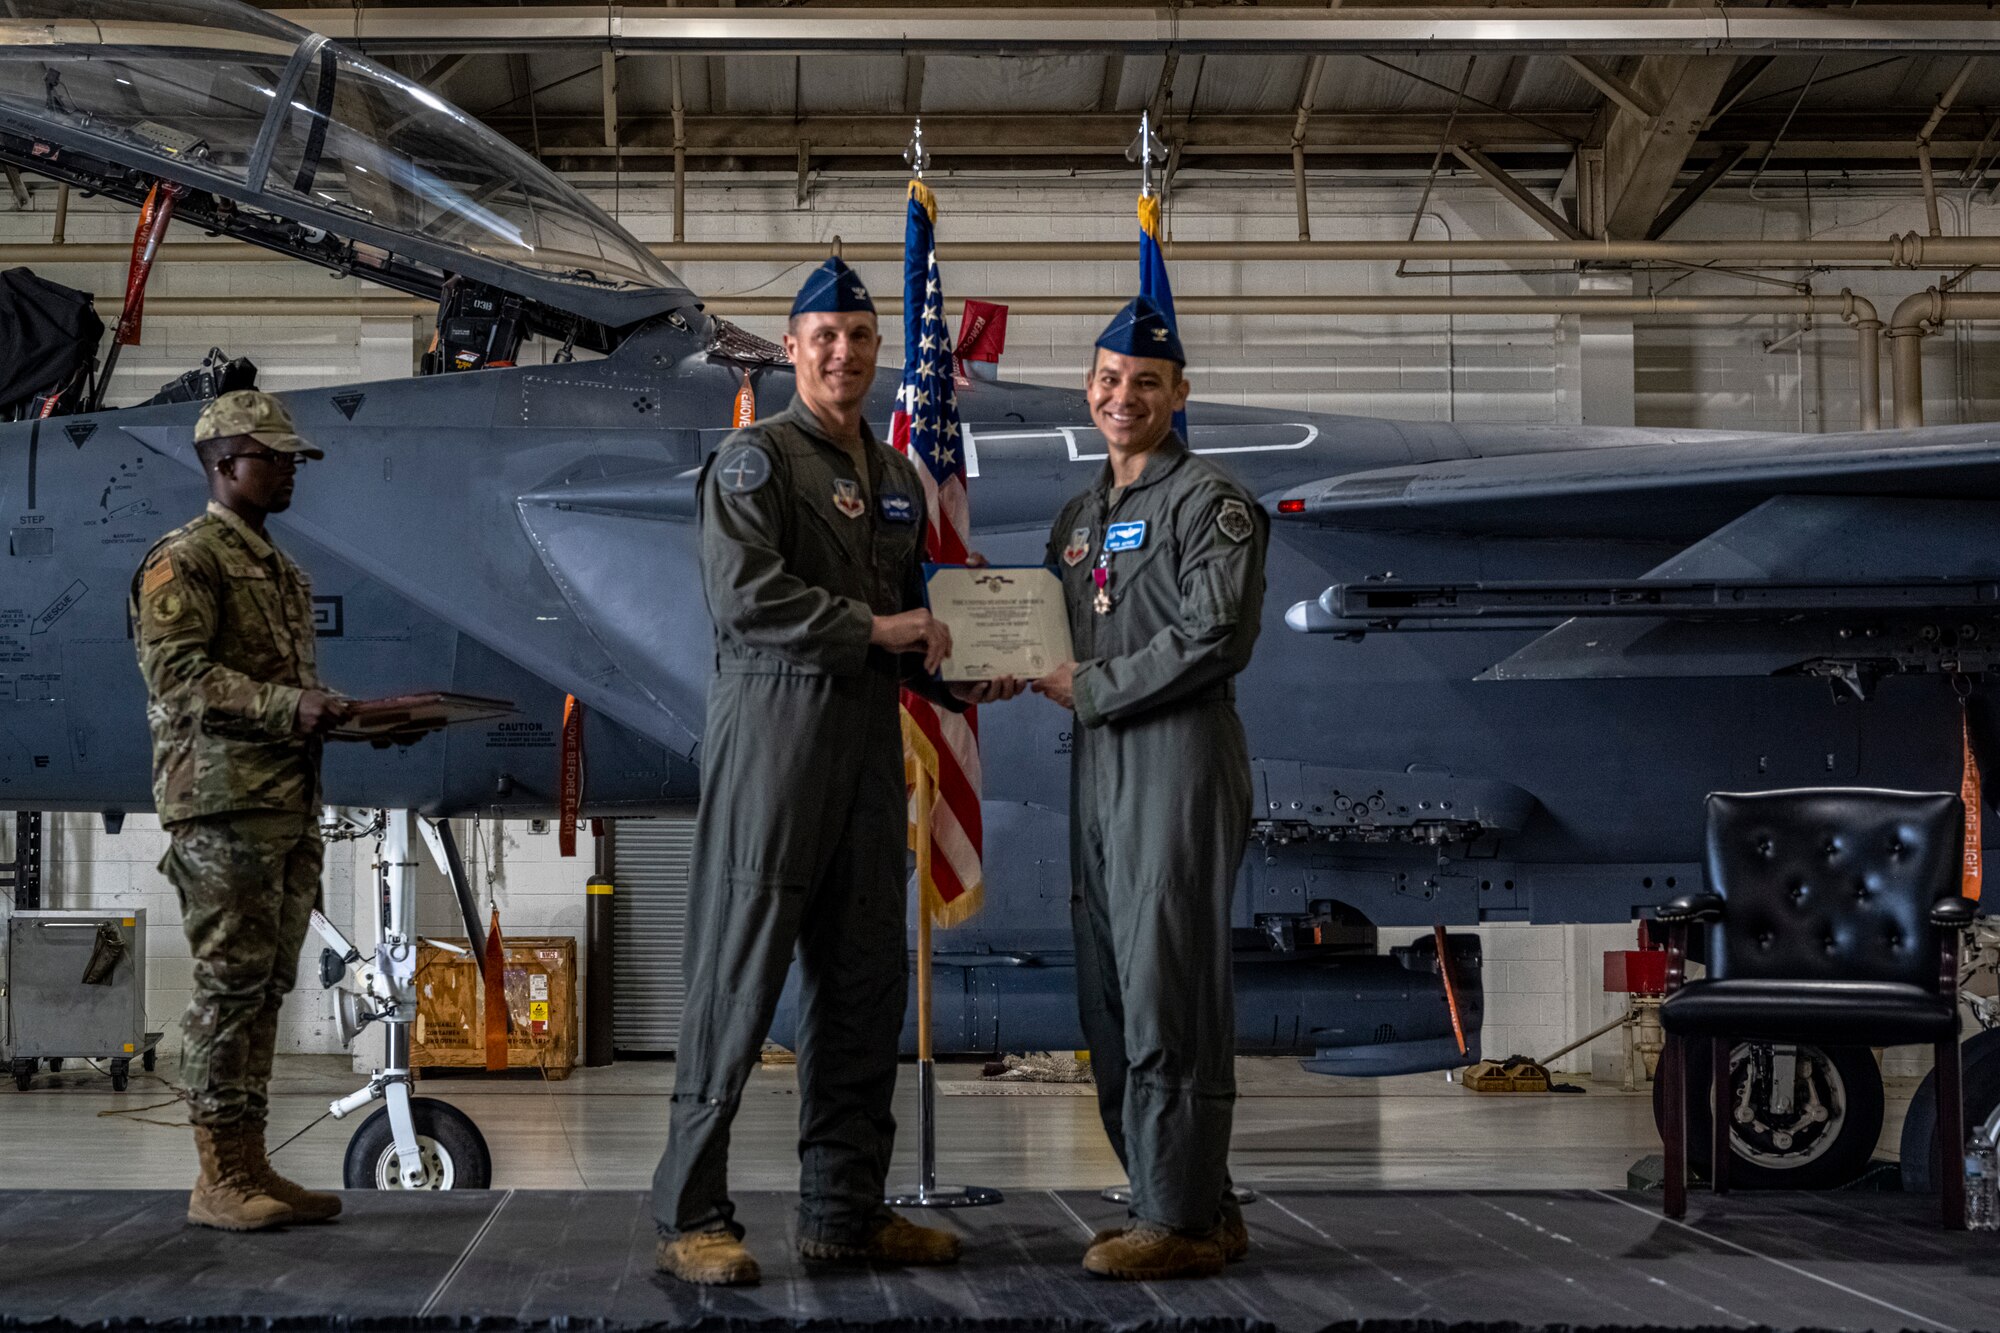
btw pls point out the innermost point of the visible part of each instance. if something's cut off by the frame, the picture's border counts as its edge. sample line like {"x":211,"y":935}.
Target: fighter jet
{"x":1501,"y":669}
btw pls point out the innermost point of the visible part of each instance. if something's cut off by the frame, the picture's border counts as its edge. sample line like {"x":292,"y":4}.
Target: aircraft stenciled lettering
{"x":60,"y":606}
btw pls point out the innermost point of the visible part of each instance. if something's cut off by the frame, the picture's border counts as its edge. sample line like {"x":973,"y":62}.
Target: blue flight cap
{"x":832,"y":288}
{"x":1143,"y":329}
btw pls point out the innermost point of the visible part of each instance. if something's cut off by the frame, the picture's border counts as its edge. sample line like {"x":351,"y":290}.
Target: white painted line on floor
{"x":437,"y":1292}
{"x":1780,"y":1263}
{"x":1088,"y":1231}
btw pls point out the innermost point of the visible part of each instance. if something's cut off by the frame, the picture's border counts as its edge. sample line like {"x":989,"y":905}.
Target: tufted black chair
{"x":1833,"y":919}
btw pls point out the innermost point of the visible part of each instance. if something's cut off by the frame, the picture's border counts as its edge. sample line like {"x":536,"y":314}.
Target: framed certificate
{"x":1005,"y":620}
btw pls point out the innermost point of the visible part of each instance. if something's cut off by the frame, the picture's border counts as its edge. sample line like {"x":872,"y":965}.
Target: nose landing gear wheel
{"x":1819,"y":1138}
{"x":1979,"y":1057}
{"x":453,"y":1150}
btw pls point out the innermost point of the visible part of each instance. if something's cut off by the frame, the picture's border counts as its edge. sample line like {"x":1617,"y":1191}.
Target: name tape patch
{"x":898,"y":509}
{"x":1125,"y":536}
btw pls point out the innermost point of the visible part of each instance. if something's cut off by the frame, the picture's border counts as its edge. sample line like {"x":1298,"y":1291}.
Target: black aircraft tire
{"x":1855,"y":1130}
{"x":55,"y":1064}
{"x":1980,"y":1058}
{"x":454,"y":1149}
{"x":24,"y":1074}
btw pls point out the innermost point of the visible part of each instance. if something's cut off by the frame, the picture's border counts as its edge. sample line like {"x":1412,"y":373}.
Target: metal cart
{"x":55,"y":1014}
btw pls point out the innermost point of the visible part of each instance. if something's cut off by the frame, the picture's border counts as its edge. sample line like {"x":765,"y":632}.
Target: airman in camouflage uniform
{"x":224,"y":626}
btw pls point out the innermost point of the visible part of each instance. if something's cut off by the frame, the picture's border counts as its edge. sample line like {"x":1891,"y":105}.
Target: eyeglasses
{"x":270,"y":456}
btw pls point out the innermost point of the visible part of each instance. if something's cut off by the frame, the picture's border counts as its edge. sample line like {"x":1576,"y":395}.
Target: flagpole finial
{"x":1146,"y":149}
{"x":916,"y":155}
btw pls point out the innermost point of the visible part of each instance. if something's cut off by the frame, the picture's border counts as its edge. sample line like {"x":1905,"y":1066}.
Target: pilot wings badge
{"x":1078,"y":548}
{"x":847,"y":498}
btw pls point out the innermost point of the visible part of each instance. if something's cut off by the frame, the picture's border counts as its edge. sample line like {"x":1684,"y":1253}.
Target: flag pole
{"x":928,"y":1193}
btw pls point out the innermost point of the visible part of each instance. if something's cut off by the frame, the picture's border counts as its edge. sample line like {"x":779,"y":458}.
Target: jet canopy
{"x":252,"y":109}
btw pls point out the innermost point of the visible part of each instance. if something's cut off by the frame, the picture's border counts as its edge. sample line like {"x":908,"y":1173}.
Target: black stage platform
{"x":1583,"y":1259}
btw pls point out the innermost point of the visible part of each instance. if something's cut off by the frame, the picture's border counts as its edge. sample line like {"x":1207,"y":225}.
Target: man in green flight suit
{"x":812,"y":568}
{"x":1162,"y":563}
{"x":224,"y":626}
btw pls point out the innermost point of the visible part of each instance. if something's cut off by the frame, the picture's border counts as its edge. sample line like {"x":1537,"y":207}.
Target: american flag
{"x":945,"y":745}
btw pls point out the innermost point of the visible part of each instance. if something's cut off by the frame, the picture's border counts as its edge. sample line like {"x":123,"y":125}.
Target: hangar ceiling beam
{"x":1724,"y":161}
{"x":1963,"y":28}
{"x":1526,"y":200}
{"x":435,"y":77}
{"x":1638,"y":307}
{"x":1114,"y":78}
{"x":608,"y":73}
{"x":1613,"y":87}
{"x":1644,"y":150}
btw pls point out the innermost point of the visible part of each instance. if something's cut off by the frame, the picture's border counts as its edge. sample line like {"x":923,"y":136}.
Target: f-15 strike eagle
{"x":1502,"y":668}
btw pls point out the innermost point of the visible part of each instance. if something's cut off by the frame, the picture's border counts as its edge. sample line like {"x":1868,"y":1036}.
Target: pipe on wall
{"x":1840,"y":304}
{"x":1909,"y":250}
{"x":1916,"y":317}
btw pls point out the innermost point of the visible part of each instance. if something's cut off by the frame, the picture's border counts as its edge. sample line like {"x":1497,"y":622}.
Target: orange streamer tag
{"x":495,"y":979}
{"x":746,"y":405}
{"x":1969,"y":796}
{"x":570,"y":795}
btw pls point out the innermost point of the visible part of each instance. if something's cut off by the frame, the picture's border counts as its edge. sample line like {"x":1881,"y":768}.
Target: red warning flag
{"x":154,"y":216}
{"x":1969,"y":796}
{"x":494,"y":969}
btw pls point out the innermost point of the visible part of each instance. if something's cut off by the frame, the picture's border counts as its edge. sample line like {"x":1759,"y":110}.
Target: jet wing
{"x":1678,"y":490}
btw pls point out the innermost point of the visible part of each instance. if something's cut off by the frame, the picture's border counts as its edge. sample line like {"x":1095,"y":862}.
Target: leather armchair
{"x":1833,"y":918}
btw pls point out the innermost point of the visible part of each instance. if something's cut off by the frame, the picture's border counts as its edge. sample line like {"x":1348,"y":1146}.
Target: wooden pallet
{"x":450,"y":1031}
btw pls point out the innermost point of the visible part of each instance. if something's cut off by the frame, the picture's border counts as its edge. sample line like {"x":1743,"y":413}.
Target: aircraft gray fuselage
{"x":529,"y":533}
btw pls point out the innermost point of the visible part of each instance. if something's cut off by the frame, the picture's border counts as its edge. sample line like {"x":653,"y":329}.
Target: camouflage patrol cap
{"x":257,"y":414}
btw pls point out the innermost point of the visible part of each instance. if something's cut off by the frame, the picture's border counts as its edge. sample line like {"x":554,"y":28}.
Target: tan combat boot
{"x":228,"y":1196}
{"x":1147,"y":1253}
{"x":896,"y":1241}
{"x":1230,"y":1236}
{"x":707,"y":1259}
{"x":308,"y":1205}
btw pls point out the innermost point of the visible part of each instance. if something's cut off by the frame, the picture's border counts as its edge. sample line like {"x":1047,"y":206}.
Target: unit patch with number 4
{"x":1234,"y":520}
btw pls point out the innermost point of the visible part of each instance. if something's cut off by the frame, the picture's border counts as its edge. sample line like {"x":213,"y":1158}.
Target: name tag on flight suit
{"x":898,"y":509}
{"x":1125,"y":536}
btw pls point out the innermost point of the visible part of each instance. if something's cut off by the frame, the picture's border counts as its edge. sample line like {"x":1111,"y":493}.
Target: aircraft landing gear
{"x":1979,"y":1056}
{"x":1802,"y":1117}
{"x":450,"y":1149}
{"x":415,"y":1143}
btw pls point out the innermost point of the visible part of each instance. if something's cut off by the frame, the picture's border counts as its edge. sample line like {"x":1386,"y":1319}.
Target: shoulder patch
{"x":743,"y":469}
{"x":1234,"y":520}
{"x":158,"y":575}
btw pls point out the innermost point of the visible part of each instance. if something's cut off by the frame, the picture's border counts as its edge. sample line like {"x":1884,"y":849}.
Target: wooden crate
{"x":450,"y":1031}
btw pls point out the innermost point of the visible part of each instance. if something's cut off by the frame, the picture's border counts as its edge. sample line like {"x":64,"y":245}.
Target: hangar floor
{"x":1399,"y":1202}
{"x":603,"y":1129}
